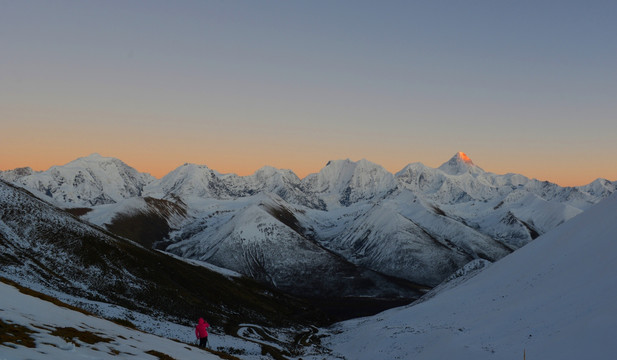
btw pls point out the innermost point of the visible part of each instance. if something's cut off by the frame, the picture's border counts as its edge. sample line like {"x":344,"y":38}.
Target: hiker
{"x":201,"y":332}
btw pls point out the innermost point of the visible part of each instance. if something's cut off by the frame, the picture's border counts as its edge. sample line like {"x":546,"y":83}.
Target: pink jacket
{"x":200,"y":329}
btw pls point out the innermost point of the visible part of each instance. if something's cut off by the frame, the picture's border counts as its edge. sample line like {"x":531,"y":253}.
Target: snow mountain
{"x":263,"y":237}
{"x":88,"y":181}
{"x":459,"y":164}
{"x":191,"y":181}
{"x":418,"y":225}
{"x":282,"y":183}
{"x":52,"y":251}
{"x":344,"y":182}
{"x":553,"y":299}
{"x":402,"y":237}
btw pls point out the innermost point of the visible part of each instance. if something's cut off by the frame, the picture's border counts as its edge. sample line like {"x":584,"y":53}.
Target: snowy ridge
{"x":283,"y":183}
{"x":553,"y":299}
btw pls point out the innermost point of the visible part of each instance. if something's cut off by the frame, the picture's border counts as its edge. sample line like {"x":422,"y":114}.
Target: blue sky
{"x":520,"y":86}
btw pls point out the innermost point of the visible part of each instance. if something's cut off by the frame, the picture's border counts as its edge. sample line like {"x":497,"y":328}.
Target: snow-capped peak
{"x":344,"y":182}
{"x":91,"y":180}
{"x":460,"y":163}
{"x":187,"y":181}
{"x":339,"y":174}
{"x":94,"y":159}
{"x":463,"y":157}
{"x":265,"y":173}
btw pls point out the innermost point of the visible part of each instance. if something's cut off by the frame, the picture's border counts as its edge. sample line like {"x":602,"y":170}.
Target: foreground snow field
{"x":36,"y":329}
{"x":555,"y":298}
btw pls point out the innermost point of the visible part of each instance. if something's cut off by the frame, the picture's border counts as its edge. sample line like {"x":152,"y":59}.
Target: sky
{"x":526,"y":87}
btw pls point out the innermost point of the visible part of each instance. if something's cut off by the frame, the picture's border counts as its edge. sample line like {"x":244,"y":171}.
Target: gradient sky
{"x":528,"y":87}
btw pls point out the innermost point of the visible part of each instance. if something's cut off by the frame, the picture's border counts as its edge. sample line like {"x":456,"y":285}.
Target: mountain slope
{"x":48,"y":247}
{"x":262,"y":238}
{"x":145,"y":220}
{"x":552,"y":299}
{"x":404,"y":237}
{"x":36,"y":329}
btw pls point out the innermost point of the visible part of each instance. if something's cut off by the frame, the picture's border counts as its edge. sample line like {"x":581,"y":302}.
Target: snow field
{"x":115,"y":341}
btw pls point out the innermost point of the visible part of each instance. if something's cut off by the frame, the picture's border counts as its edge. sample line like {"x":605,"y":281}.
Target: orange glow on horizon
{"x":159,"y":165}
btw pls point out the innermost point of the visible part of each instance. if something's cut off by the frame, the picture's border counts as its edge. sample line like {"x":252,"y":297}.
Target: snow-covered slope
{"x":555,"y":298}
{"x":191,"y":183}
{"x":262,"y":237}
{"x":145,"y":220}
{"x":87,"y":181}
{"x":36,"y":329}
{"x":173,"y":212}
{"x":52,"y":250}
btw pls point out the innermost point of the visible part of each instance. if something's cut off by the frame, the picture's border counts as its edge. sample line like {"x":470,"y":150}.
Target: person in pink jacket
{"x":201,"y":332}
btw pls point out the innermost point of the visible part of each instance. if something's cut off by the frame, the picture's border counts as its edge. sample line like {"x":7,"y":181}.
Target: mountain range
{"x":393,"y":235}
